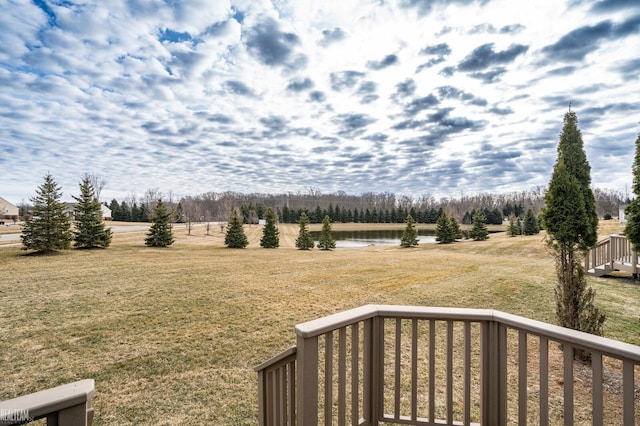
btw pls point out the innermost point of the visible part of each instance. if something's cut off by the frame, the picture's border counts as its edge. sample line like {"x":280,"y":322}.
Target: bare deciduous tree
{"x":98,"y":183}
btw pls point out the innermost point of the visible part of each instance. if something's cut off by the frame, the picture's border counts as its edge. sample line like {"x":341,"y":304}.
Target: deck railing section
{"x":616,"y":252}
{"x":65,"y":405}
{"x":622,"y":251}
{"x":276,"y":389}
{"x":599,"y":255}
{"x":420,"y":366}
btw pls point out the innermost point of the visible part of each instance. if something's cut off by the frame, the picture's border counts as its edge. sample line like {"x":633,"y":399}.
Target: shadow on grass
{"x":44,"y":253}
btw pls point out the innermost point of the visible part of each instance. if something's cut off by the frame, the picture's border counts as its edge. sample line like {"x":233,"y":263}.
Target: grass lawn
{"x":171,"y":335}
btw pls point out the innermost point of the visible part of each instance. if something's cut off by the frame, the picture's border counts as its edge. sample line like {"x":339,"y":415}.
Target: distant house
{"x":8,"y":211}
{"x":621,"y":217}
{"x":105,"y":212}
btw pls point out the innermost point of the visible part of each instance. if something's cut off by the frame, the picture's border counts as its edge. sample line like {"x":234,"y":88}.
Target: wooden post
{"x":307,"y":380}
{"x":493,"y":377}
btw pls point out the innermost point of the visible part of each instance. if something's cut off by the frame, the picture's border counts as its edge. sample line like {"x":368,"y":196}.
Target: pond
{"x":362,"y":238}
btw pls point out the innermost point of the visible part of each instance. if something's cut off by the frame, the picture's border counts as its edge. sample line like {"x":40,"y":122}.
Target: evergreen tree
{"x":530,"y":226}
{"x":497,"y":217}
{"x":513,"y":228}
{"x":235,"y":238}
{"x":479,"y":231}
{"x":575,"y":160}
{"x":444,"y":232}
{"x":467,"y":219}
{"x":115,"y":210}
{"x":125,"y":212}
{"x":178,"y":215}
{"x":455,"y":227}
{"x":632,"y":228}
{"x":90,"y":231}
{"x":160,"y":232}
{"x":507,"y":210}
{"x":568,"y":218}
{"x":285,"y":215}
{"x":135,"y":212}
{"x":410,"y":235}
{"x":317,"y":214}
{"x":326,"y":242}
{"x":270,"y":237}
{"x":304,"y":240}
{"x":143,"y":213}
{"x":50,"y":227}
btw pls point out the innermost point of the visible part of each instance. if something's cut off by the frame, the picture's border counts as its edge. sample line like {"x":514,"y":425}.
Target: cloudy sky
{"x":408,"y":96}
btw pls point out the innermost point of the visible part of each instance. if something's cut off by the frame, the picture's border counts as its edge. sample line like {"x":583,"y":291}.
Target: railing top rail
{"x":604,"y":242}
{"x":588,"y":341}
{"x":276,"y":359}
{"x":47,"y":401}
{"x":607,"y":346}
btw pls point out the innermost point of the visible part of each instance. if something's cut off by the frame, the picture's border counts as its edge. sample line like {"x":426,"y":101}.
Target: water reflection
{"x":361,"y":238}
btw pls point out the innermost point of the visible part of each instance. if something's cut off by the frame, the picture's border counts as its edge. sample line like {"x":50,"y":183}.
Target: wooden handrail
{"x":364,"y":346}
{"x":615,"y":253}
{"x":68,"y":404}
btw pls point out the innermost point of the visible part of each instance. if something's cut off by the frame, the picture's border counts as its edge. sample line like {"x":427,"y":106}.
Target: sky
{"x":416,"y":97}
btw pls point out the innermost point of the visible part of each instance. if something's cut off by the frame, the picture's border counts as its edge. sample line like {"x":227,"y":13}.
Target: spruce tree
{"x":50,"y":227}
{"x":444,"y":232}
{"x":326,"y":241}
{"x":160,"y":232}
{"x":410,"y":235}
{"x":235,"y":237}
{"x":90,"y":231}
{"x":455,"y":228}
{"x":479,"y":232}
{"x":513,"y":228}
{"x":270,"y":237}
{"x":115,"y":210}
{"x":632,"y":228}
{"x":568,"y":218}
{"x":531,"y":226}
{"x":304,"y":240}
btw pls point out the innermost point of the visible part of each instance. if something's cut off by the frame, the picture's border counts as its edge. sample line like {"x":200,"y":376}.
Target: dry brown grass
{"x":171,"y":335}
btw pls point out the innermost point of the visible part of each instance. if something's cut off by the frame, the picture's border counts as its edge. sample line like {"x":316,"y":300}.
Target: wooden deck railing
{"x":427,"y":366}
{"x":66,"y":405}
{"x":614,"y":253}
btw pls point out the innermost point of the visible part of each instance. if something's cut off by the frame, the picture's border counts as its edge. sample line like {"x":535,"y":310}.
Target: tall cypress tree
{"x":479,"y":232}
{"x":50,"y":228}
{"x":410,"y":235}
{"x":326,"y":241}
{"x":574,"y":157}
{"x":90,"y":231}
{"x":632,"y":228}
{"x":568,"y":217}
{"x":235,"y":238}
{"x":160,"y":232}
{"x":270,"y":237}
{"x":304,"y":240}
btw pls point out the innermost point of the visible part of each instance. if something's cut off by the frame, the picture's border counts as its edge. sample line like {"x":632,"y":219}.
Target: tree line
{"x":346,"y":208}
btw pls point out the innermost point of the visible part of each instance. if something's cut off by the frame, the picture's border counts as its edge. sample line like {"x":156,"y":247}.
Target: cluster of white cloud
{"x":407,"y":96}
